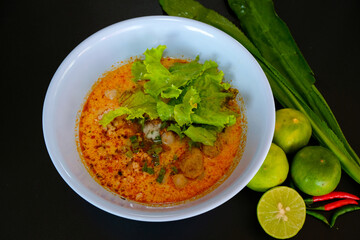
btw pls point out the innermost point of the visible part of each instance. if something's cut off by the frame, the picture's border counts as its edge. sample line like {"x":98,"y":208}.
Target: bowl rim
{"x":93,"y":198}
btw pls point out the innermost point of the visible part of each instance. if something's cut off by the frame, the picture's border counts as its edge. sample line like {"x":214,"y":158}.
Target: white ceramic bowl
{"x":183,"y":38}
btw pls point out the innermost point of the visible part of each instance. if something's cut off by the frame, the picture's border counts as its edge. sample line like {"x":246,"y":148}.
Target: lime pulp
{"x":281,"y":212}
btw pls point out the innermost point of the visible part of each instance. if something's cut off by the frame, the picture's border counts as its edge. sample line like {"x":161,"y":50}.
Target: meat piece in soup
{"x":192,"y":164}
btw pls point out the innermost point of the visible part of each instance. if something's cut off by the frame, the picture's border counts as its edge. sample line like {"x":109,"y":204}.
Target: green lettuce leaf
{"x":159,"y":76}
{"x":171,"y":92}
{"x":168,"y":82}
{"x":135,"y":105}
{"x":138,"y":70}
{"x":165,"y":111}
{"x":190,"y":96}
{"x":183,"y":111}
{"x":213,"y":95}
{"x":200,"y":134}
{"x":176,"y":128}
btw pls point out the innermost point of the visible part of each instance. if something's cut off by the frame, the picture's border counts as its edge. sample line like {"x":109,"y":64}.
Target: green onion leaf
{"x":133,"y":139}
{"x":156,"y":161}
{"x":161,"y":175}
{"x":174,"y":170}
{"x":147,"y":169}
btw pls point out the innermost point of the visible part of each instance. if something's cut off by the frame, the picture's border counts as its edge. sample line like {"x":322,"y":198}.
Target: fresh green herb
{"x":200,"y":134}
{"x":194,"y":10}
{"x":135,"y":144}
{"x":161,"y":175}
{"x":193,"y":144}
{"x":176,"y":129}
{"x":278,"y":47}
{"x":194,"y":94}
{"x":155,"y":149}
{"x":165,"y":111}
{"x":157,"y":139}
{"x":138,"y":71}
{"x":174,"y":170}
{"x":133,"y":139}
{"x":147,"y":169}
{"x":164,"y":125}
{"x":135,"y":147}
{"x":288,"y":93}
{"x":136,"y":150}
{"x":141,"y":121}
{"x":129,"y":154}
{"x":156,"y":160}
{"x":175,"y":157}
{"x":162,"y":82}
{"x":134,"y":105}
{"x":154,"y":152}
{"x":276,"y":44}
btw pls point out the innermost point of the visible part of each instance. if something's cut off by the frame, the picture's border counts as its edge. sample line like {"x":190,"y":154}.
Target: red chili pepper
{"x":333,"y":205}
{"x":329,"y":196}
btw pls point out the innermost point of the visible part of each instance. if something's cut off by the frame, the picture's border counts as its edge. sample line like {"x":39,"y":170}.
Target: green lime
{"x":315,"y":170}
{"x":292,"y":130}
{"x":281,"y":212}
{"x":272,"y":172}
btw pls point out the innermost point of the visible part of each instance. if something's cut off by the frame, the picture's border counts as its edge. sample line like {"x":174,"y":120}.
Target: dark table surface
{"x":37,"y":35}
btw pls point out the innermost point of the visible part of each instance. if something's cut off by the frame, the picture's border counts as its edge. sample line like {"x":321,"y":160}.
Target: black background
{"x":37,"y":35}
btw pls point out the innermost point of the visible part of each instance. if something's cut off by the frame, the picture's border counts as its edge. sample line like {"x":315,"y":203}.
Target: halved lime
{"x":281,"y":212}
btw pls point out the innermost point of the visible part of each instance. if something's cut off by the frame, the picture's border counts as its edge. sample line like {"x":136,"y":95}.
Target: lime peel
{"x":315,"y":170}
{"x":292,"y":130}
{"x":272,"y":172}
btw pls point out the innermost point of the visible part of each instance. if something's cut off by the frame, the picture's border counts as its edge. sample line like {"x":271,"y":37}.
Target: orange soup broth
{"x":102,"y":150}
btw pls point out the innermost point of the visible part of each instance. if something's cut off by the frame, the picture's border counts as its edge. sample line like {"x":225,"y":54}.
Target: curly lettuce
{"x":135,"y":106}
{"x":190,"y":96}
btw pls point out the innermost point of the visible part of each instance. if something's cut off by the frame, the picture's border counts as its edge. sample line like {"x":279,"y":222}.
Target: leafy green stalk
{"x":275,"y":42}
{"x":320,"y":129}
{"x":147,"y":169}
{"x":194,"y":10}
{"x":283,"y":92}
{"x":161,"y":175}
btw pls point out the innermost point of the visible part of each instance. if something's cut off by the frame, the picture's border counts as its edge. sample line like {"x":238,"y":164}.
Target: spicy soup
{"x":142,"y":160}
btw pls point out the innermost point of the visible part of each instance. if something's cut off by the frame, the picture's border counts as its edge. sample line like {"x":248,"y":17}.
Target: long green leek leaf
{"x":320,"y":129}
{"x":274,"y":40}
{"x":284,"y":92}
{"x":194,"y":10}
